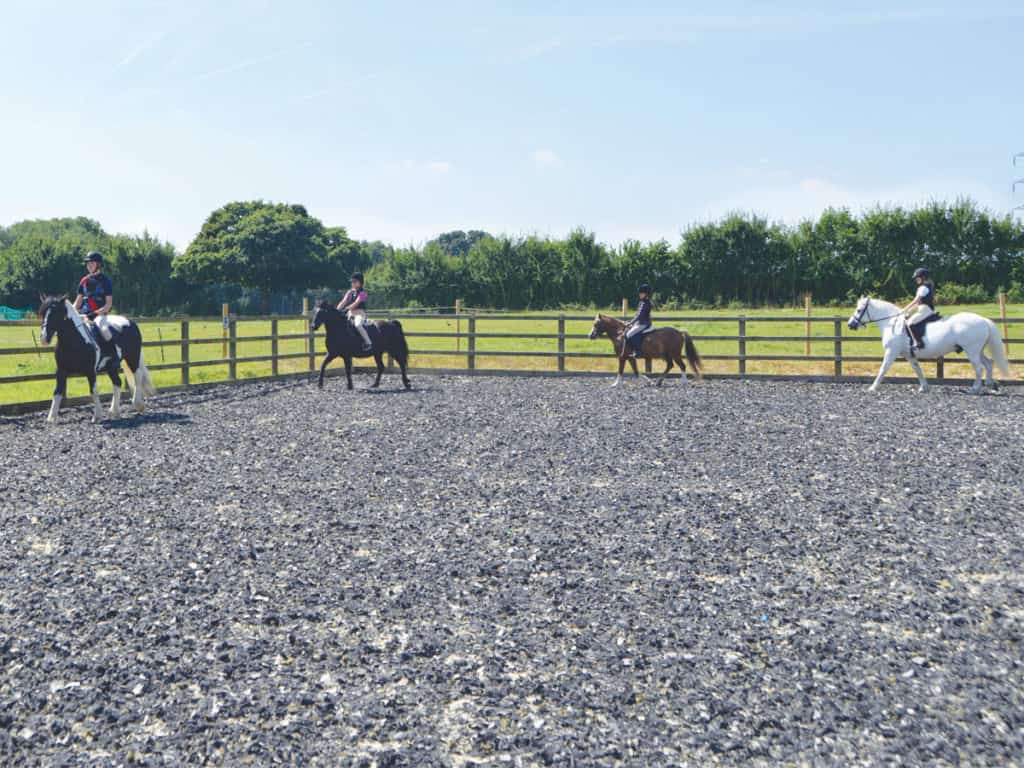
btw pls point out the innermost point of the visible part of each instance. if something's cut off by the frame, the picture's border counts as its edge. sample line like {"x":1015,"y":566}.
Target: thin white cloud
{"x":246,"y":64}
{"x":432,"y":167}
{"x":545,"y":159}
{"x":539,"y":48}
{"x":141,"y":49}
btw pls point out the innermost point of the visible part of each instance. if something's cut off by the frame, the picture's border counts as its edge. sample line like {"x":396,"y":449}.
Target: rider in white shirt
{"x":921,"y":308}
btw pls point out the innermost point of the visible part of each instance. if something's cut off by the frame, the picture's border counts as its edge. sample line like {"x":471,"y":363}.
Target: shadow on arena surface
{"x":521,"y":571}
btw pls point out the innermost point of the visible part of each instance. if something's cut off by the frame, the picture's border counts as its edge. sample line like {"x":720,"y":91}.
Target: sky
{"x":401,"y":120}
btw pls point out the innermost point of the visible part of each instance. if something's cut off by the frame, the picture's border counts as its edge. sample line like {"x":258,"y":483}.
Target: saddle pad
{"x":652,"y":329}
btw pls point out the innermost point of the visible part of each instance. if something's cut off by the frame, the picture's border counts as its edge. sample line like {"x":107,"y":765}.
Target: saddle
{"x":106,"y":348}
{"x":922,"y":325}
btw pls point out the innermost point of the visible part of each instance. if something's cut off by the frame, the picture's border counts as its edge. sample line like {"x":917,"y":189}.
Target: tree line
{"x":264,"y":256}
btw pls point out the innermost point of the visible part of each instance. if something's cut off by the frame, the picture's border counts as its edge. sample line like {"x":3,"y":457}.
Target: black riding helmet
{"x":94,"y":256}
{"x":644,"y":288}
{"x":358,"y":276}
{"x":922,"y":272}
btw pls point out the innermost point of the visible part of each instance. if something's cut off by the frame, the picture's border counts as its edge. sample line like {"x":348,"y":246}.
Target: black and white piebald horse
{"x":345,"y":342}
{"x":78,"y":353}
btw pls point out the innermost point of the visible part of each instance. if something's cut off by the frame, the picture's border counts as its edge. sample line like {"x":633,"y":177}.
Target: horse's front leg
{"x":920,"y":375}
{"x":323,"y":368}
{"x":380,"y":369}
{"x":59,"y":392}
{"x":97,"y":409}
{"x":622,"y":365}
{"x":348,"y":370}
{"x":887,"y":360}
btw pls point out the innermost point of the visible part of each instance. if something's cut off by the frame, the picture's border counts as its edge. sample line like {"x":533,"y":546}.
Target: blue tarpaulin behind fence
{"x":9,"y":313}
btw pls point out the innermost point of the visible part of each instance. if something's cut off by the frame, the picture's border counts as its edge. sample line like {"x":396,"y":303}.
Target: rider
{"x":355,"y":301}
{"x":94,"y":300}
{"x":641,"y":321}
{"x":924,"y":304}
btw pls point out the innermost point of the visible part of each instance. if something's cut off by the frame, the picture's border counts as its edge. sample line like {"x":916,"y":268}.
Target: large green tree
{"x":261,"y":245}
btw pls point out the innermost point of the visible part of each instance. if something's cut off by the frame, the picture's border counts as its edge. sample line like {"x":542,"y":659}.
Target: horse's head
{"x":53,"y":310}
{"x":603,"y":325}
{"x":861,"y":315}
{"x":320,"y":314}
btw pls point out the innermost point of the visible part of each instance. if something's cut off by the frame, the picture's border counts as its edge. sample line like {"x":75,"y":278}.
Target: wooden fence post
{"x":184,"y":353}
{"x":561,"y":342}
{"x":741,"y":354}
{"x":1002,"y":312}
{"x":225,"y":312}
{"x":232,"y":349}
{"x":273,"y":346}
{"x":837,"y":326}
{"x":458,"y":326}
{"x":807,"y":324}
{"x":625,"y":307}
{"x":311,"y":341}
{"x":471,"y":345}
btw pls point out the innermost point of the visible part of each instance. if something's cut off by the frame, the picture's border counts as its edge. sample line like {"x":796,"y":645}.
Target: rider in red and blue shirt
{"x":94,"y":300}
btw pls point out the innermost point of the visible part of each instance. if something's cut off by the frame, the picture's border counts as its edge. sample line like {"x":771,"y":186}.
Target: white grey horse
{"x":964,"y":331}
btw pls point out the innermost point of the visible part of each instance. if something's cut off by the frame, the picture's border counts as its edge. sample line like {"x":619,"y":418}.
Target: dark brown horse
{"x":665,"y":343}
{"x":343,"y":341}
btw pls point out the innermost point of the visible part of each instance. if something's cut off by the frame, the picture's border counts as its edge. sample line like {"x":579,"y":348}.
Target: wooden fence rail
{"x":466,"y":348}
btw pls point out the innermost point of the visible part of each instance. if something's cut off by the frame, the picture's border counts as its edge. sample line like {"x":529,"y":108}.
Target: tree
{"x":259,"y":245}
{"x":458,"y":243}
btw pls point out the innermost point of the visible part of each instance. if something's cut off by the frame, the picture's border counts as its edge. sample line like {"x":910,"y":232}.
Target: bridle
{"x":862,"y":318}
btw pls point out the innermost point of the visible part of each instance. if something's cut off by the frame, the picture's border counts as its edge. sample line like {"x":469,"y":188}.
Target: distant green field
{"x":705,"y":323}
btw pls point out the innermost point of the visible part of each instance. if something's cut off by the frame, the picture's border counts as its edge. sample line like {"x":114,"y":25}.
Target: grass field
{"x":704,"y":323}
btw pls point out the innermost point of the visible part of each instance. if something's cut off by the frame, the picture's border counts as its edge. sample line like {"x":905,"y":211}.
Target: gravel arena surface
{"x":502,"y":571}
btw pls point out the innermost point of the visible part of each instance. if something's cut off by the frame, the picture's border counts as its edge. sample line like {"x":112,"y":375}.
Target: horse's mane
{"x":888,"y":306}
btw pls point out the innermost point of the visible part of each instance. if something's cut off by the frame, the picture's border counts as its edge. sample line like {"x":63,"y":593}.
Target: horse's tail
{"x":401,"y":350}
{"x":692,"y":356}
{"x":140,"y":378}
{"x":995,"y":346}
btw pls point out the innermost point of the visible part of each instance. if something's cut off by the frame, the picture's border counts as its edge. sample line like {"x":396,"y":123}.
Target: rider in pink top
{"x":355,"y":301}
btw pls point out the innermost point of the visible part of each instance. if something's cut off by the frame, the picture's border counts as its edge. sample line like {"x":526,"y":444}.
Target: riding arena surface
{"x":517,"y":572}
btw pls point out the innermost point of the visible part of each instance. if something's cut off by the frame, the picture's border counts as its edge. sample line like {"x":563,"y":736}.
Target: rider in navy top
{"x":921,"y":308}
{"x":641,"y":321}
{"x":94,"y":300}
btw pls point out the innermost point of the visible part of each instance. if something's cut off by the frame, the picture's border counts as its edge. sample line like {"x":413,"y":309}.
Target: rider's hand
{"x":91,"y":316}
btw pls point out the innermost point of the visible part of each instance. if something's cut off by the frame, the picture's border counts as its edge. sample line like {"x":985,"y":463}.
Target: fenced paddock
{"x":517,"y":571}
{"x":188,"y":351}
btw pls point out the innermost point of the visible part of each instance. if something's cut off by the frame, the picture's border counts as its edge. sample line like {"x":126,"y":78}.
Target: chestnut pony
{"x":665,"y":343}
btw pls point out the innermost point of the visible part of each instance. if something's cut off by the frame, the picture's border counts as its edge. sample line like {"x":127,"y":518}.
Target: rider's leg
{"x":635,"y":338}
{"x":359,"y":320}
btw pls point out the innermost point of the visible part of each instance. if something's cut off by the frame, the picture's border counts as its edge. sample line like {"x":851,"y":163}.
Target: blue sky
{"x":403,"y":120}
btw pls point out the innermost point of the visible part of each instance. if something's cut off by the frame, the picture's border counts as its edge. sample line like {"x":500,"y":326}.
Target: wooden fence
{"x":467,"y":335}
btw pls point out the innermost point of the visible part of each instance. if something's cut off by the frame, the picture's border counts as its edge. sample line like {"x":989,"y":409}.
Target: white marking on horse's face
{"x":44,"y":335}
